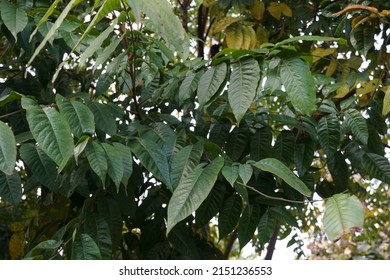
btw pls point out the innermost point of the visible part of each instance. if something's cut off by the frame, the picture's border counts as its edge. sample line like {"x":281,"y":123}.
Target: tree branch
{"x":229,"y":246}
{"x":272,"y":242}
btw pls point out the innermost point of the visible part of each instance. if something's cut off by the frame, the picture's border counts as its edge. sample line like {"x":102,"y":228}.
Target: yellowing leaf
{"x":224,"y":23}
{"x":261,"y":35}
{"x":356,"y":20}
{"x":368,"y":87}
{"x":240,"y":37}
{"x":386,"y":102}
{"x":319,"y":53}
{"x":332,"y":67}
{"x":257,"y":9}
{"x":16,"y":245}
{"x":275,"y":10}
{"x":208,"y":3}
{"x":286,"y":10}
{"x":234,"y":37}
{"x":342,"y":91}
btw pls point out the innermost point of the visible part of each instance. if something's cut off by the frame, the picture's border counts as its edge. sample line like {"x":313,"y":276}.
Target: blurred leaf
{"x":7,"y":149}
{"x":11,"y":188}
{"x":343,"y":214}
{"x":13,"y":17}
{"x":166,"y":23}
{"x":362,"y":38}
{"x":377,"y":166}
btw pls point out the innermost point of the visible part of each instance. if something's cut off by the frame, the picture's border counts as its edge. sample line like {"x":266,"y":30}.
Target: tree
{"x":117,"y":142}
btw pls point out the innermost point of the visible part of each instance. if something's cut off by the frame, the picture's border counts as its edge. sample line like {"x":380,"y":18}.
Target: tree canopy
{"x":158,"y":129}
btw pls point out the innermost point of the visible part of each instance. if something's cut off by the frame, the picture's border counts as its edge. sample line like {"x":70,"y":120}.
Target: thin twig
{"x":279,"y":198}
{"x":10,"y":114}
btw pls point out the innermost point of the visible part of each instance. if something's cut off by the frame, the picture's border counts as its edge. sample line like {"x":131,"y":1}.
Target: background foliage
{"x":119,"y":139}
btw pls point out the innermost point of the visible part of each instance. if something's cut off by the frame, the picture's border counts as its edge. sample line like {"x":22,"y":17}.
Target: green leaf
{"x":13,"y":17}
{"x":219,"y":133}
{"x":103,"y":117}
{"x":343,"y":214}
{"x":357,"y":123}
{"x":237,"y":143}
{"x":377,"y":166}
{"x":243,"y":84}
{"x":386,"y":103}
{"x":97,"y":227}
{"x":7,"y":149}
{"x":192,"y":191}
{"x":189,"y":85}
{"x":96,"y":44}
{"x":230,"y":172}
{"x":79,"y":116}
{"x":53,"y":29}
{"x":11,"y":188}
{"x":261,"y":143}
{"x":41,"y":166}
{"x":12,"y":96}
{"x":277,"y":168}
{"x":211,"y":205}
{"x":114,"y":164}
{"x":245,"y":171}
{"x":97,"y":160}
{"x":50,"y":130}
{"x":299,"y":84}
{"x":127,"y":158}
{"x":339,"y":170}
{"x":229,"y":215}
{"x":107,"y":7}
{"x":328,"y":130}
{"x":210,"y":83}
{"x":181,"y":237}
{"x":284,"y":147}
{"x":362,"y":38}
{"x":308,"y":38}
{"x":266,"y":227}
{"x":152,"y":158}
{"x":283,"y":215}
{"x":85,"y":248}
{"x":304,"y":155}
{"x":47,"y":245}
{"x":166,"y":23}
{"x":45,"y":17}
{"x":80,"y":147}
{"x":184,"y":161}
{"x":248,"y":223}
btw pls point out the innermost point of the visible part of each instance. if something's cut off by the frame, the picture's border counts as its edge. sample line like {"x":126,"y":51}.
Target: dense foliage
{"x":118,"y":140}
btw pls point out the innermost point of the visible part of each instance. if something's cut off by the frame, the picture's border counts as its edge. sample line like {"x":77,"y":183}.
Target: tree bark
{"x":202,"y":20}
